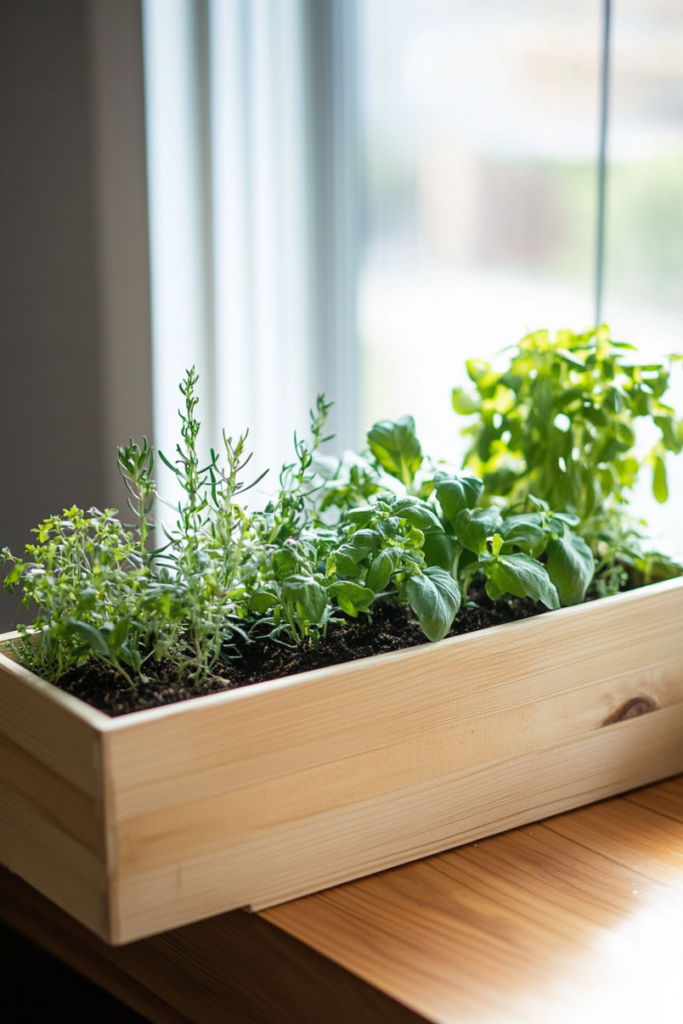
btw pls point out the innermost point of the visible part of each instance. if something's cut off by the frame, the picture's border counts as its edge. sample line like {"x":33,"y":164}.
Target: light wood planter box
{"x":249,"y":798}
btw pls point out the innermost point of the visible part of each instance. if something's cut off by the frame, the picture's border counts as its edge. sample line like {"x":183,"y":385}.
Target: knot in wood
{"x":633,"y":708}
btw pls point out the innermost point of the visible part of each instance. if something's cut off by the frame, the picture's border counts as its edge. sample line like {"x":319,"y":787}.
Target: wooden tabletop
{"x":577,"y":918}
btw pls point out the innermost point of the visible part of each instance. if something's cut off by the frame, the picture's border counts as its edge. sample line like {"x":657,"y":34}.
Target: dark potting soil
{"x":393,"y":627}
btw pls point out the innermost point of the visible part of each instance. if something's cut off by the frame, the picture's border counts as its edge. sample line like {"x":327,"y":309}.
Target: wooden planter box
{"x":252,"y":797}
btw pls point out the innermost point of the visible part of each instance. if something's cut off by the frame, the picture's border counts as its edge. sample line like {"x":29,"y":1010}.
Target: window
{"x":480,"y":149}
{"x":354,"y":195}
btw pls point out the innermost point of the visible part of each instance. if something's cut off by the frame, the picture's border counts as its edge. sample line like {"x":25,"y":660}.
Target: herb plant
{"x":340,"y":535}
{"x":560,"y":423}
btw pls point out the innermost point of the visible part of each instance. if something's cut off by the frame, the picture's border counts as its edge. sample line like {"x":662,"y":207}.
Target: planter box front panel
{"x":258,"y":795}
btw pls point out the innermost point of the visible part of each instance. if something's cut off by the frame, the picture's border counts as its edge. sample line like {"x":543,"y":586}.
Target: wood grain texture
{"x":234,"y":968}
{"x":578,"y":918}
{"x":256,"y":796}
{"x":51,"y":815}
{"x":55,"y":728}
{"x":305,"y":855}
{"x":261,"y":795}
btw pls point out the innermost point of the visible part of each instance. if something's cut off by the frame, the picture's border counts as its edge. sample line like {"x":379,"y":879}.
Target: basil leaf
{"x":379,"y":572}
{"x":345,"y":564}
{"x":352,"y":597}
{"x":473,"y":527}
{"x":362,"y":542}
{"x":570,"y":567}
{"x":394,"y":445}
{"x":361,"y":516}
{"x":522,"y":530}
{"x":119,"y":633}
{"x":524,"y":577}
{"x":659,"y":485}
{"x":416,"y":512}
{"x":261,"y":602}
{"x":439,"y":549}
{"x":307,"y":595}
{"x":456,"y":493}
{"x":435,"y":598}
{"x":494,"y":592}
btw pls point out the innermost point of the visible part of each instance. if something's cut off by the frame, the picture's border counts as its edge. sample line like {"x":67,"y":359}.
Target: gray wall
{"x":74,"y":305}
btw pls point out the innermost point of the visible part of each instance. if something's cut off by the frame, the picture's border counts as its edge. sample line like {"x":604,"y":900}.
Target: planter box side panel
{"x":52,"y":829}
{"x":258,"y":796}
{"x":305,"y":856}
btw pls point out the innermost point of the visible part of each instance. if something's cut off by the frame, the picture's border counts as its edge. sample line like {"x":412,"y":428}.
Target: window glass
{"x":643,"y":299}
{"x":480,"y":128}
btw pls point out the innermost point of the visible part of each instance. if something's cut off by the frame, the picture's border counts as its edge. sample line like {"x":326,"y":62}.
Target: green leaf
{"x":362,"y":542}
{"x":659,"y":484}
{"x":523,"y":530}
{"x":473,"y":527}
{"x":92,"y":637}
{"x":352,"y":597}
{"x":380,"y":571}
{"x":435,"y":598}
{"x":477,"y":369}
{"x":389,"y":527}
{"x":119,"y":634}
{"x":416,"y":512}
{"x":564,"y":517}
{"x":524,"y":577}
{"x":345,"y":564}
{"x":14,"y":575}
{"x":456,"y":493}
{"x":439,"y":549}
{"x":261,"y":602}
{"x":463,"y":403}
{"x":494,"y":592}
{"x":309,"y":597}
{"x":570,"y":567}
{"x":394,"y":445}
{"x":361,"y":516}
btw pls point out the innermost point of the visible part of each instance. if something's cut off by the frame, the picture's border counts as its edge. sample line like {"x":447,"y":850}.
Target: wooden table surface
{"x":576,"y":919}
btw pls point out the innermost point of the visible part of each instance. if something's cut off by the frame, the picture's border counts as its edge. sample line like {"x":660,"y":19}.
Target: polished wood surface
{"x":578,"y":918}
{"x":256,"y":796}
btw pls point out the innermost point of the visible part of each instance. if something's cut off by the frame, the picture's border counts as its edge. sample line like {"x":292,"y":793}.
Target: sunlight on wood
{"x":578,"y":918}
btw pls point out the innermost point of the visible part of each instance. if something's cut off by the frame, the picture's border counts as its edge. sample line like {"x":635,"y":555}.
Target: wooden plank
{"x":156,"y":888}
{"x":51,"y":794}
{"x":235,"y":968}
{"x":577,"y":918}
{"x":72,"y":810}
{"x":55,"y":728}
{"x":623,"y":647}
{"x":52,"y":861}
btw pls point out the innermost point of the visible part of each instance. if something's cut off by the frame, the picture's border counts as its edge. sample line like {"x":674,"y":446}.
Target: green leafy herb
{"x":559,"y":423}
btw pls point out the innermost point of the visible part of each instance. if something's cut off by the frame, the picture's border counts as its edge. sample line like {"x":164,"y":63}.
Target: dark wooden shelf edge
{"x":236,"y":964}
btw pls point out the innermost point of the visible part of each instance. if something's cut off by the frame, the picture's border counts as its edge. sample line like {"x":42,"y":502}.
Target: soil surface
{"x":393,"y":627}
